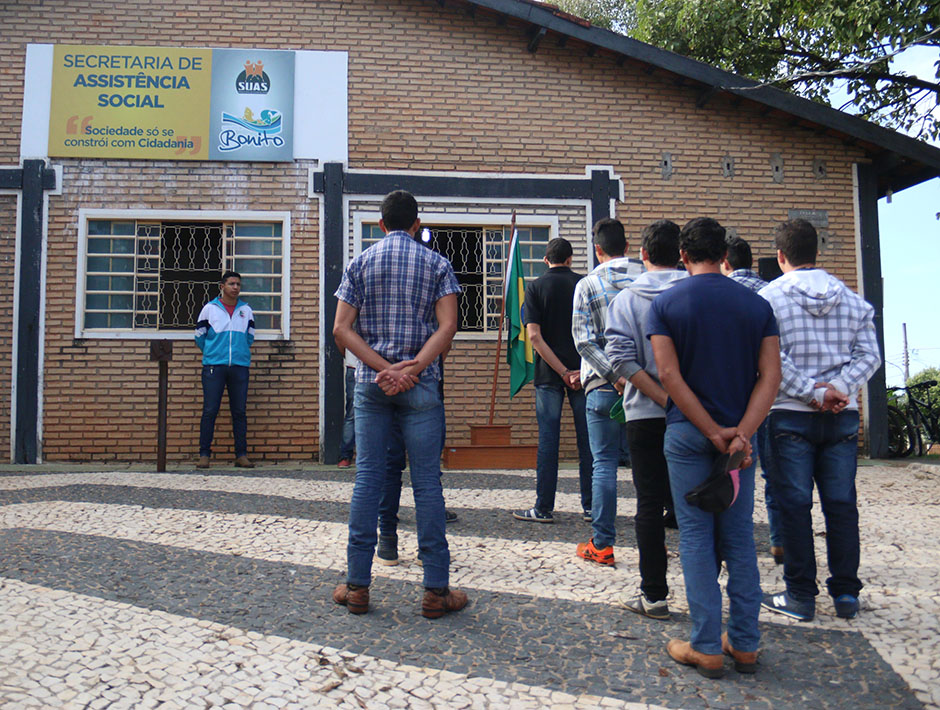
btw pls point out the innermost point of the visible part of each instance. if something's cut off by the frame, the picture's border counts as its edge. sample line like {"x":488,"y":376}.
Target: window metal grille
{"x":156,"y":276}
{"x":478,"y":255}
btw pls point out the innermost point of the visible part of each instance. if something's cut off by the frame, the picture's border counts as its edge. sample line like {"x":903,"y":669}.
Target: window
{"x":145,"y":276}
{"x":478,"y":255}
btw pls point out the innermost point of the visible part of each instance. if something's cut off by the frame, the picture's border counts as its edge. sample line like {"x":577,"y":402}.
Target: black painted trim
{"x":877,"y":435}
{"x":25,"y":449}
{"x":11,"y":178}
{"x":544,"y":16}
{"x":333,"y":379}
{"x":455,"y":186}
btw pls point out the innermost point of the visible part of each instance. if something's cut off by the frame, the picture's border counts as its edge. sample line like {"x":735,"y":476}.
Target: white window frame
{"x":144,"y":215}
{"x":459,"y":219}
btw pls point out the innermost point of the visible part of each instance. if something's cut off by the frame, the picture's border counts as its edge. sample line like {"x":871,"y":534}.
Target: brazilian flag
{"x":519,"y":351}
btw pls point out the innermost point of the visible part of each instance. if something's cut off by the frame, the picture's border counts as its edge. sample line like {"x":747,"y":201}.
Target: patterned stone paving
{"x":128,"y":589}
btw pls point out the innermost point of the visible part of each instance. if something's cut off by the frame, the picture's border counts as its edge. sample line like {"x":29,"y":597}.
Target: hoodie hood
{"x":619,"y":272}
{"x":815,"y":291}
{"x":652,"y":283}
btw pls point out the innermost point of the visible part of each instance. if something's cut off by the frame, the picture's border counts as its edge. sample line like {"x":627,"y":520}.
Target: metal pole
{"x":907,"y":372}
{"x":161,"y":415}
{"x":502,"y":318}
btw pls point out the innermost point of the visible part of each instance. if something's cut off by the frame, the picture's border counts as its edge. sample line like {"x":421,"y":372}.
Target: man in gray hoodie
{"x":828,"y":351}
{"x":602,"y":385}
{"x":644,"y":405}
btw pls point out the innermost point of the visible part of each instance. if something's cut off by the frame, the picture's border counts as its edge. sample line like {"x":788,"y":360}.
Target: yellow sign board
{"x":130,"y":102}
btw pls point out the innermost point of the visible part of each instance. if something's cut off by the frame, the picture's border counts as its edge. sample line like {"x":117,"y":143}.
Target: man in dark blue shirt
{"x":718,"y":356}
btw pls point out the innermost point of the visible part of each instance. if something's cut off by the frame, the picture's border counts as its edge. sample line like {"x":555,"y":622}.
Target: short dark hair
{"x":399,"y":210}
{"x":661,"y":241}
{"x":703,"y":239}
{"x":558,"y":251}
{"x":739,"y":252}
{"x":610,"y":237}
{"x":798,"y":241}
{"x":229,"y":274}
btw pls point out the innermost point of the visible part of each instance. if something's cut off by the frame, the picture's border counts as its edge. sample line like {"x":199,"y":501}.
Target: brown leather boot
{"x":744,"y":661}
{"x":243,"y":462}
{"x":777,"y":553}
{"x":353,"y":597}
{"x":203,"y":462}
{"x":435,"y":605}
{"x":707,"y":664}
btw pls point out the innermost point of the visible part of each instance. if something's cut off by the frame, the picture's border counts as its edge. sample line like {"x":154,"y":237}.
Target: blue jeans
{"x":418,"y":412}
{"x":397,"y":459}
{"x":604,"y":435}
{"x":215,"y":379}
{"x":820,"y":448}
{"x":766,"y":463}
{"x":348,"y":446}
{"x":548,"y":403}
{"x":703,"y":537}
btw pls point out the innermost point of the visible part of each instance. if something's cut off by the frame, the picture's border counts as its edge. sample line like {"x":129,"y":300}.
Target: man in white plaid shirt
{"x":828,"y":352}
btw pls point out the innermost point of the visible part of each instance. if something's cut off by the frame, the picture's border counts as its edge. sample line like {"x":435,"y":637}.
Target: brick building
{"x":480,"y":108}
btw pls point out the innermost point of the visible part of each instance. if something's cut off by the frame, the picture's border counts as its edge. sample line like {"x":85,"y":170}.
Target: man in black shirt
{"x":547,"y":314}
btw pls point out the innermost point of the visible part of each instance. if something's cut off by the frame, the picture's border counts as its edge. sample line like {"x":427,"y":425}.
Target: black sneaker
{"x":450,"y":516}
{"x":387,"y":551}
{"x":533,"y":515}
{"x":846,"y":606}
{"x":783,"y":603}
{"x":586,"y":515}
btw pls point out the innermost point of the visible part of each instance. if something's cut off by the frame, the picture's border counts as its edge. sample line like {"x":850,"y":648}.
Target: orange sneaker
{"x":604,"y":556}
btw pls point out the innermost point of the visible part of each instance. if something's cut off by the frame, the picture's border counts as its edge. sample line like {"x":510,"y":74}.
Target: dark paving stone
{"x":568,"y":527}
{"x":569,"y":646}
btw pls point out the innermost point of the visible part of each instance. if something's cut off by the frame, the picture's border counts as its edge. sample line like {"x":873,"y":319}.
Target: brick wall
{"x":101,"y":395}
{"x":7,"y":261}
{"x":430,"y":88}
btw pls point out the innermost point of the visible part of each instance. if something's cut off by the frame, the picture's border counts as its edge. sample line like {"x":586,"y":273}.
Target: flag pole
{"x":502,"y":318}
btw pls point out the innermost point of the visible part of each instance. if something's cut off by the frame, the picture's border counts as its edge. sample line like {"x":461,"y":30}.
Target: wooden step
{"x":491,"y":456}
{"x":491,"y":434}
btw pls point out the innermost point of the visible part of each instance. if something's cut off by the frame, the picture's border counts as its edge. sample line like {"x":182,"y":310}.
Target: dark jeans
{"x":651,"y":480}
{"x":215,"y":379}
{"x":766,"y":464}
{"x":820,"y":448}
{"x":348,"y":445}
{"x":548,"y":402}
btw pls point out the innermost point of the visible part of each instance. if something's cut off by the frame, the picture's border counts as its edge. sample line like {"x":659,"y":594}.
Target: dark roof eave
{"x":891,"y":141}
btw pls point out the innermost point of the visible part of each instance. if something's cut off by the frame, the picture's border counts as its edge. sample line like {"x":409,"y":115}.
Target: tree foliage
{"x":617,"y":15}
{"x":809,"y":47}
{"x":931,"y":394}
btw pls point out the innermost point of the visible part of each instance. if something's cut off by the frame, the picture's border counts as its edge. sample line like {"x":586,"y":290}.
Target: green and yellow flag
{"x":519,"y":351}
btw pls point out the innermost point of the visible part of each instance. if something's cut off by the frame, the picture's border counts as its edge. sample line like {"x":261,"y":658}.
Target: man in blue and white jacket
{"x":225,"y":331}
{"x":828,"y":351}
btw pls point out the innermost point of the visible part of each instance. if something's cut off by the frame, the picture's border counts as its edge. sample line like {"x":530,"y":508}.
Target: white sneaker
{"x":639,"y":604}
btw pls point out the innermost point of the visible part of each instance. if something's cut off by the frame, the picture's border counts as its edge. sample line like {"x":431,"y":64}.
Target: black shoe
{"x":534,"y":515}
{"x":450,"y":516}
{"x":669,"y":521}
{"x":586,"y":515}
{"x":387,"y":551}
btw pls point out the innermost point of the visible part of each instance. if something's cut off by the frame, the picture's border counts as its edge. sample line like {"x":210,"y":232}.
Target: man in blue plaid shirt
{"x":828,"y":351}
{"x":397,"y":313}
{"x":738,"y":265}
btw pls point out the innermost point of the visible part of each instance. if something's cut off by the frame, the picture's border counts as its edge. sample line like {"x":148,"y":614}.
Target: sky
{"x":910,"y":258}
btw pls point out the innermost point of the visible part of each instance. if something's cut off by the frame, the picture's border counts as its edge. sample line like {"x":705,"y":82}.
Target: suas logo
{"x":253,"y":80}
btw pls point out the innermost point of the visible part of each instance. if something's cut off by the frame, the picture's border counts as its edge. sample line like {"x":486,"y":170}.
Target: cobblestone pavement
{"x":127,"y":589}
